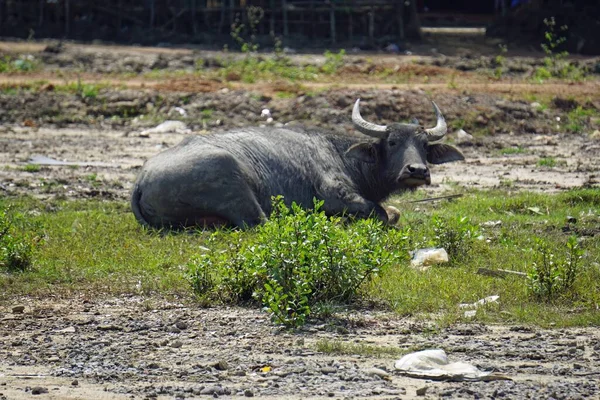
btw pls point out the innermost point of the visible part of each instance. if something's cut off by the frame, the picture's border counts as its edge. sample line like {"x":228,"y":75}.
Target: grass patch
{"x":512,"y":150}
{"x":32,"y":168}
{"x":338,"y":347}
{"x":549,"y":162}
{"x":97,"y":247}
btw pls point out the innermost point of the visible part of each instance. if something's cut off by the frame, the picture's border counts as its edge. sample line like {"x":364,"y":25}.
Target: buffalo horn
{"x":440,"y":129}
{"x":368,"y":128}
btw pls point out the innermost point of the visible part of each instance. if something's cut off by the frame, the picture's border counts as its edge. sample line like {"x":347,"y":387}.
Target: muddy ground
{"x":81,"y":348}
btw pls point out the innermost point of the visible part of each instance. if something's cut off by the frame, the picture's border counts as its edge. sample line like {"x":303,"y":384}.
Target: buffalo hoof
{"x":393,"y":215}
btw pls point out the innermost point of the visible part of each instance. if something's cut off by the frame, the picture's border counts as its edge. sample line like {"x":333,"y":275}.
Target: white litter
{"x":423,"y":258}
{"x":434,"y":364}
{"x":265,"y":113}
{"x":167,"y":127}
{"x":472,"y":307}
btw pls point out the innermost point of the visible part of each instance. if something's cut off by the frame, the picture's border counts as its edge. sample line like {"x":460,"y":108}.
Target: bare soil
{"x":112,"y":348}
{"x":150,"y":348}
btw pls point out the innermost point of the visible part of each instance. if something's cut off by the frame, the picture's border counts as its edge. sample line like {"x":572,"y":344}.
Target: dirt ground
{"x":83,"y":348}
{"x":149,"y":348}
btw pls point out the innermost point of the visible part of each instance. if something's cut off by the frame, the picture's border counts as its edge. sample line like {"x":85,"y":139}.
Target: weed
{"x":549,"y":162}
{"x":338,"y":347}
{"x":26,"y":63}
{"x":296,"y":260}
{"x":578,"y":119}
{"x":549,"y":278}
{"x":513,"y":150}
{"x":500,"y":61}
{"x":16,"y":247}
{"x":555,"y":63}
{"x":333,"y":62}
{"x":456,"y":235}
{"x":32,"y":168}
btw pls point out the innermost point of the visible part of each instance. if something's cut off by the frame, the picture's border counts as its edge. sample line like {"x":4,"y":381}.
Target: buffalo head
{"x":403,"y":150}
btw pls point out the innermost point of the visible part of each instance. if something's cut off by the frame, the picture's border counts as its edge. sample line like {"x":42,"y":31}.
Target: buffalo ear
{"x":443,"y":153}
{"x":365,"y":152}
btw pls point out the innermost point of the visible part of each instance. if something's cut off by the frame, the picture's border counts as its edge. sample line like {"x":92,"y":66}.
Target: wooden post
{"x":41,"y":19}
{"x":67,"y":17}
{"x":371,"y":26}
{"x":332,"y":22}
{"x":286,"y":31}
{"x":152,"y":13}
{"x":414,"y":23}
{"x":400,"y":17}
{"x":272,"y":18}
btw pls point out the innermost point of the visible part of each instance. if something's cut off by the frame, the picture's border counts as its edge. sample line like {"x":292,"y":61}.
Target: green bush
{"x":16,"y":247}
{"x":550,"y":277}
{"x":295,"y":261}
{"x":456,"y":235}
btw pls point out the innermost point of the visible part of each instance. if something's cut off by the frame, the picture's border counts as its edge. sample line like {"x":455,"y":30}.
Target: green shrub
{"x":333,"y":61}
{"x":456,"y":235}
{"x":16,"y":247}
{"x":295,"y":261}
{"x":550,"y":277}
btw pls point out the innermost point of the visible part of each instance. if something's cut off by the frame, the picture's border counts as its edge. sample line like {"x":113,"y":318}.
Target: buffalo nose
{"x":418,"y":171}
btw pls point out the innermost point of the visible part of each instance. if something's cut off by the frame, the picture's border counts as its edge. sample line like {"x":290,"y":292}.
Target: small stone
{"x":595,"y":134}
{"x":248,"y":393}
{"x":70,"y":329}
{"x":181,"y":325}
{"x":331,"y":394}
{"x":377,"y":372}
{"x":39,"y":390}
{"x":221,"y":365}
{"x":571,"y":219}
{"x":328,"y":370}
{"x":422,"y":391}
{"x":109,"y":327}
{"x":177,"y":344}
{"x":18,"y":309}
{"x":75,"y":383}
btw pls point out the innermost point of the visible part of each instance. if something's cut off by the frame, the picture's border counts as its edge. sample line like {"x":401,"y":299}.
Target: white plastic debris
{"x":463,"y":137}
{"x":472,"y":307}
{"x":265,"y":113}
{"x":491,"y":224}
{"x":423,"y":258}
{"x":434,"y":364}
{"x":167,"y":127}
{"x":178,"y":110}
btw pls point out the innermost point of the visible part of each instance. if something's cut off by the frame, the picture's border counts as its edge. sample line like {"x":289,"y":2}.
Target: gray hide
{"x":229,"y":178}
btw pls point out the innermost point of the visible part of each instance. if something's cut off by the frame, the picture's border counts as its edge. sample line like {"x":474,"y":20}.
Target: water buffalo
{"x":229,"y":178}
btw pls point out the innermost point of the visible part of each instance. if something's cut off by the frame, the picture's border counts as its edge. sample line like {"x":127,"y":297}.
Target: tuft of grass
{"x":513,"y":150}
{"x":549,"y":162}
{"x":338,"y":347}
{"x":32,"y":168}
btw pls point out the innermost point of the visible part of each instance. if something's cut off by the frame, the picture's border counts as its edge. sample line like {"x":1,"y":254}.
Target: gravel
{"x":239,"y":352}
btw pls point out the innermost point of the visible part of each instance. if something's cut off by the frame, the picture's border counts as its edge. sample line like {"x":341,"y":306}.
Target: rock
{"x":75,"y":383}
{"x":109,"y":327}
{"x":328,"y":370}
{"x":39,"y":390}
{"x":18,"y":309}
{"x":595,"y":135}
{"x":70,"y":329}
{"x":377,"y":372}
{"x":248,"y":393}
{"x":422,"y":391}
{"x":221,"y":365}
{"x":181,"y":325}
{"x":177,"y":344}
{"x":463,"y":137}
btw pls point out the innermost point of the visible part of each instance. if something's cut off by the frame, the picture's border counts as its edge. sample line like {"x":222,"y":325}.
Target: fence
{"x":202,"y":21}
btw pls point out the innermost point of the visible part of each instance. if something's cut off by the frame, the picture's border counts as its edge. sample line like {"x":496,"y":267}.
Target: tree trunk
{"x":286,"y":29}
{"x":332,"y":23}
{"x":67,"y":17}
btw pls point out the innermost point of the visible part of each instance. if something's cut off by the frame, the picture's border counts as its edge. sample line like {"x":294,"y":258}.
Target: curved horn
{"x":368,"y":128}
{"x":440,"y":129}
